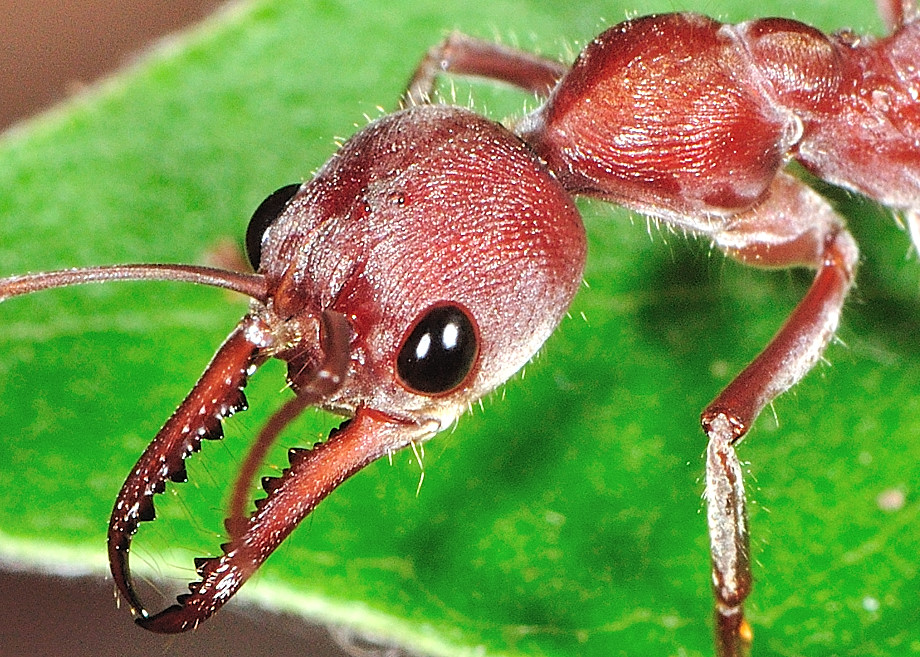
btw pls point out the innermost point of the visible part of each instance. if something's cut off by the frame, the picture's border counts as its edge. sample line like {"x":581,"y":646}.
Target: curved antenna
{"x":252,"y":285}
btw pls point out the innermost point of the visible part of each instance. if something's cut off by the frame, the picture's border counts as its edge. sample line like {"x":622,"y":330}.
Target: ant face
{"x":449,"y":283}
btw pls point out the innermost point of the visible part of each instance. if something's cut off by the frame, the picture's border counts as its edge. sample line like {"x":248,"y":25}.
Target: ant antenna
{"x":252,"y":285}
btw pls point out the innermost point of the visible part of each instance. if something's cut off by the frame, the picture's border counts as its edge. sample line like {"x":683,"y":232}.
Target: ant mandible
{"x":432,"y":256}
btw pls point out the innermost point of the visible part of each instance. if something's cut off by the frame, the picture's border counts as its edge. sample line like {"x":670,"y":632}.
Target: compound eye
{"x":264,"y":216}
{"x":439,"y":352}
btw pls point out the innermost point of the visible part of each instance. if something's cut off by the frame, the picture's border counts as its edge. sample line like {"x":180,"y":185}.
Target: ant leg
{"x":793,"y":226}
{"x":897,"y":13}
{"x":464,"y":55}
{"x":728,"y":540}
{"x":912,"y":219}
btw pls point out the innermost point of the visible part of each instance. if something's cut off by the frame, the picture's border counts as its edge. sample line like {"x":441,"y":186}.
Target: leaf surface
{"x":562,"y":518}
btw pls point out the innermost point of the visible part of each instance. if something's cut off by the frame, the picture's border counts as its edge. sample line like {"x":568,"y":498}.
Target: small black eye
{"x":262,"y":218}
{"x":439,"y":352}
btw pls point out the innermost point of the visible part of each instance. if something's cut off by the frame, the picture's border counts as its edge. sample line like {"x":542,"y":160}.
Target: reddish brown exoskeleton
{"x":433,"y":255}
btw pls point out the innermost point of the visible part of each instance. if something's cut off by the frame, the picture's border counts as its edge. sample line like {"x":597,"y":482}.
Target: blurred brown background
{"x":49,"y":49}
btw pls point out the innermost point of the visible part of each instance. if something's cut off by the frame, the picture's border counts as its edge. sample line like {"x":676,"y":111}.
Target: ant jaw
{"x":251,"y":285}
{"x":311,"y":475}
{"x":217,"y":395}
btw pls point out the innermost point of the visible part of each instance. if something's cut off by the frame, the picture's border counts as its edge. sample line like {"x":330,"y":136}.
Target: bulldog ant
{"x":432,"y":256}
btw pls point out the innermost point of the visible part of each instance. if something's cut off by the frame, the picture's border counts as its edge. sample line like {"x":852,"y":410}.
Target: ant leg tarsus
{"x":460,"y":54}
{"x":793,"y":226}
{"x":729,"y":543}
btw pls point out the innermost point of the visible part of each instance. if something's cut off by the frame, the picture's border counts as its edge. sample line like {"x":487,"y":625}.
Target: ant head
{"x":443,"y":245}
{"x":424,"y":264}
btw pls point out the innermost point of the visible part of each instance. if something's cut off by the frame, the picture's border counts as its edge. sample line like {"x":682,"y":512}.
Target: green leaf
{"x":565,"y":516}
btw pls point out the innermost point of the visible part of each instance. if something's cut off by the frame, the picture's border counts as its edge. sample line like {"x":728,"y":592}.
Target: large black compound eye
{"x":439,"y":352}
{"x":264,"y":216}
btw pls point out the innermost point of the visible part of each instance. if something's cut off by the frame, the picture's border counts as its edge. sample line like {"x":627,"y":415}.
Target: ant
{"x":432,"y":256}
